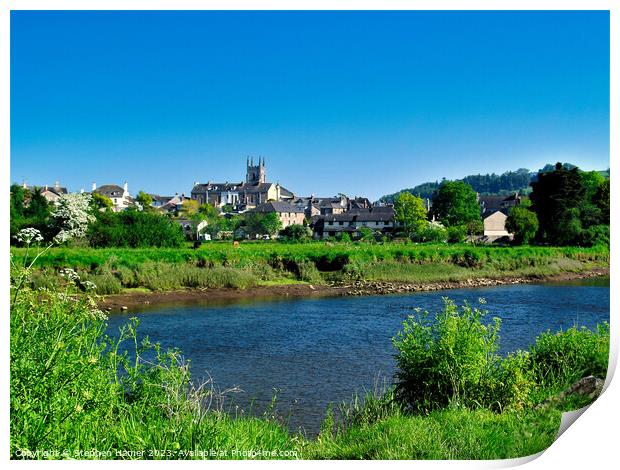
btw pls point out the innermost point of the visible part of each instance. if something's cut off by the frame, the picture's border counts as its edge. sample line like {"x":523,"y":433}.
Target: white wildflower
{"x":70,"y":274}
{"x":88,"y":285}
{"x":71,"y":213}
{"x":29,"y":235}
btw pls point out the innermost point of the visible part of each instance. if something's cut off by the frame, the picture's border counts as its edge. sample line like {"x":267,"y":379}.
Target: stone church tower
{"x":255,"y":174}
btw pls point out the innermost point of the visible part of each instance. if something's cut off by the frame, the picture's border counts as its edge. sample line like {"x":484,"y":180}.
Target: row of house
{"x":327,"y":216}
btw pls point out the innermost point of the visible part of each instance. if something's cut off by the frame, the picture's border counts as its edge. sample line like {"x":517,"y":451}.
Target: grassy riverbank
{"x":75,"y":394}
{"x":222,"y":265}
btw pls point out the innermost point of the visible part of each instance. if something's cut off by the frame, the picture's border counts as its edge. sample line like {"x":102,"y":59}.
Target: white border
{"x":591,"y":443}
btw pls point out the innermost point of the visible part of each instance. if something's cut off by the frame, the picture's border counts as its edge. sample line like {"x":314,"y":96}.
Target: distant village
{"x":329,"y":216}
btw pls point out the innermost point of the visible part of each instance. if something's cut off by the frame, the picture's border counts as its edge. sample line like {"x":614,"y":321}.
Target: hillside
{"x":489,"y":184}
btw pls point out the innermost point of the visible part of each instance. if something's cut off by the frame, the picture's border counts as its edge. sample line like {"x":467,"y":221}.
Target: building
{"x":252,"y":192}
{"x":490,"y":204}
{"x":495,"y":226}
{"x":193,"y":229}
{"x":50,"y":193}
{"x":168,"y":204}
{"x":289,"y":214}
{"x":120,"y":197}
{"x":314,"y":206}
{"x":376,"y":218}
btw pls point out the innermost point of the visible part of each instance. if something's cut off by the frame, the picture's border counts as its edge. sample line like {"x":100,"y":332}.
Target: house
{"x":120,"y":197}
{"x":490,"y":204}
{"x":289,"y":214}
{"x":168,"y":204}
{"x":243,"y":195}
{"x":377,"y":218}
{"x":50,"y":193}
{"x":495,"y":226}
{"x":193,"y":229}
{"x":330,"y":205}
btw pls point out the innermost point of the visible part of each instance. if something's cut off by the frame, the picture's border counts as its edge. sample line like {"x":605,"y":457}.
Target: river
{"x":321,"y":350}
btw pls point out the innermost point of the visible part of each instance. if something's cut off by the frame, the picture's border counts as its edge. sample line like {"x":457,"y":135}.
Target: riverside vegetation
{"x":76,"y":392}
{"x":222,"y":264}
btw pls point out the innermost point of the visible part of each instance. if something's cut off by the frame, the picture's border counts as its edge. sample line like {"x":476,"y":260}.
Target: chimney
{"x":57,"y":185}
{"x":196,"y":183}
{"x":125,"y":186}
{"x":82,"y":191}
{"x":24,"y":185}
{"x":94,"y":188}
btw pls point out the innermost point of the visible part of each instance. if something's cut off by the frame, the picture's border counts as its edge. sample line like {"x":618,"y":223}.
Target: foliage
{"x":559,"y":359}
{"x":99,"y":201}
{"x":506,"y":183}
{"x":452,"y":360}
{"x":29,"y":209}
{"x":433,"y":233}
{"x":71,"y":216}
{"x":455,"y":203}
{"x":410,"y":213}
{"x":568,"y":202}
{"x":145,"y":200}
{"x":522,"y":223}
{"x":448,"y":359}
{"x":132,"y":228}
{"x":296,"y":233}
{"x":259,"y":223}
{"x":189,"y":208}
{"x":456,"y":233}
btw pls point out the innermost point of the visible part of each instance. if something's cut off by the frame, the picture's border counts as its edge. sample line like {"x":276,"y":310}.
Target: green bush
{"x":448,"y":359}
{"x":452,"y":360}
{"x":457,"y":233}
{"x":106,"y":283}
{"x":559,"y":359}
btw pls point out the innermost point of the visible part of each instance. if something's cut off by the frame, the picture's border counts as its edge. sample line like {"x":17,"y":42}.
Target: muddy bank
{"x":128,"y":301}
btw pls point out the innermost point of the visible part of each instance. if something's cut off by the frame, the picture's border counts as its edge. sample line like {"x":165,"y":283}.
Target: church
{"x":243,"y":195}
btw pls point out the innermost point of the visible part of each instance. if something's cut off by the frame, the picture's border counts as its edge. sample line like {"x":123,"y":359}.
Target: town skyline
{"x":362,"y":103}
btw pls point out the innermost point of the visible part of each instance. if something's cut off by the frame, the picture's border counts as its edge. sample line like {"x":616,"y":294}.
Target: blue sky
{"x":363,"y":103}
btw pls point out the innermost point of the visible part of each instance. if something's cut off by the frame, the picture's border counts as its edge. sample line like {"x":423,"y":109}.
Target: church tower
{"x":255,"y":174}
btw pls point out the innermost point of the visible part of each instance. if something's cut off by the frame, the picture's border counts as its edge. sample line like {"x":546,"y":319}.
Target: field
{"x":222,"y":264}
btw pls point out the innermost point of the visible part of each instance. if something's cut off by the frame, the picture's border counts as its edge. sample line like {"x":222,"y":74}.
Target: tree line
{"x":567,"y":206}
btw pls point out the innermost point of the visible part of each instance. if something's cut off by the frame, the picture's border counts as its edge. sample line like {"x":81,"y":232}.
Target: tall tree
{"x":455,"y":203}
{"x":145,"y":200}
{"x":558,"y":198}
{"x":410,"y":212}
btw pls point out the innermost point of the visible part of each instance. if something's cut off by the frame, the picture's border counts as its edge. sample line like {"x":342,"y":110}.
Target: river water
{"x":321,"y":350}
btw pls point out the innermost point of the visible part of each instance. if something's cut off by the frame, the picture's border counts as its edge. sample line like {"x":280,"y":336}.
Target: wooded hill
{"x":489,"y":184}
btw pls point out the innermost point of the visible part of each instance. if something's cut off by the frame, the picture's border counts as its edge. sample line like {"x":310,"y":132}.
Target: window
{"x":340,"y":223}
{"x":386,"y":223}
{"x":377,"y":222}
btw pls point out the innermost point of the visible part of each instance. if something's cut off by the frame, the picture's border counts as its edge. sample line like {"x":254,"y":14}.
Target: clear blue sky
{"x":363,"y":103}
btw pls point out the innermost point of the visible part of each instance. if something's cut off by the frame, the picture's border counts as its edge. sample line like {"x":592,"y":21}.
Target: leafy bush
{"x":452,"y":360}
{"x":448,"y":359}
{"x":468,"y":259}
{"x":560,"y":359}
{"x":106,"y":283}
{"x":133,"y":228}
{"x":457,"y":233}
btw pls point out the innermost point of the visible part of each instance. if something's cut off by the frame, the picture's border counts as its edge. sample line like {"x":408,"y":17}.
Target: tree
{"x":558,"y":198}
{"x":17,"y":210}
{"x":258,"y":223}
{"x":522,"y":223}
{"x":601,"y":200}
{"x":145,"y":200}
{"x":99,"y":201}
{"x":71,"y":216}
{"x":189,"y":207}
{"x":410,"y":213}
{"x":455,"y":203}
{"x":296,"y":233}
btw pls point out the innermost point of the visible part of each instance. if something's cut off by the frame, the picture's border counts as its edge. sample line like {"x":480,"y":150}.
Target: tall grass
{"x":224,"y":265}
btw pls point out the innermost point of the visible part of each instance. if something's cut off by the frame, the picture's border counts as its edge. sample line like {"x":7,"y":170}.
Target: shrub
{"x":560,"y":359}
{"x":457,"y":233}
{"x":106,"y":283}
{"x":468,"y":259}
{"x":449,"y":359}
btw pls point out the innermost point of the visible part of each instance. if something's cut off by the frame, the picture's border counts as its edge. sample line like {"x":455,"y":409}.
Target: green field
{"x":221,"y":264}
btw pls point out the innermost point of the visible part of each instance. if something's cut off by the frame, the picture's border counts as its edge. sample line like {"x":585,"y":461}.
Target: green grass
{"x":446,"y":434}
{"x":220,"y":264}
